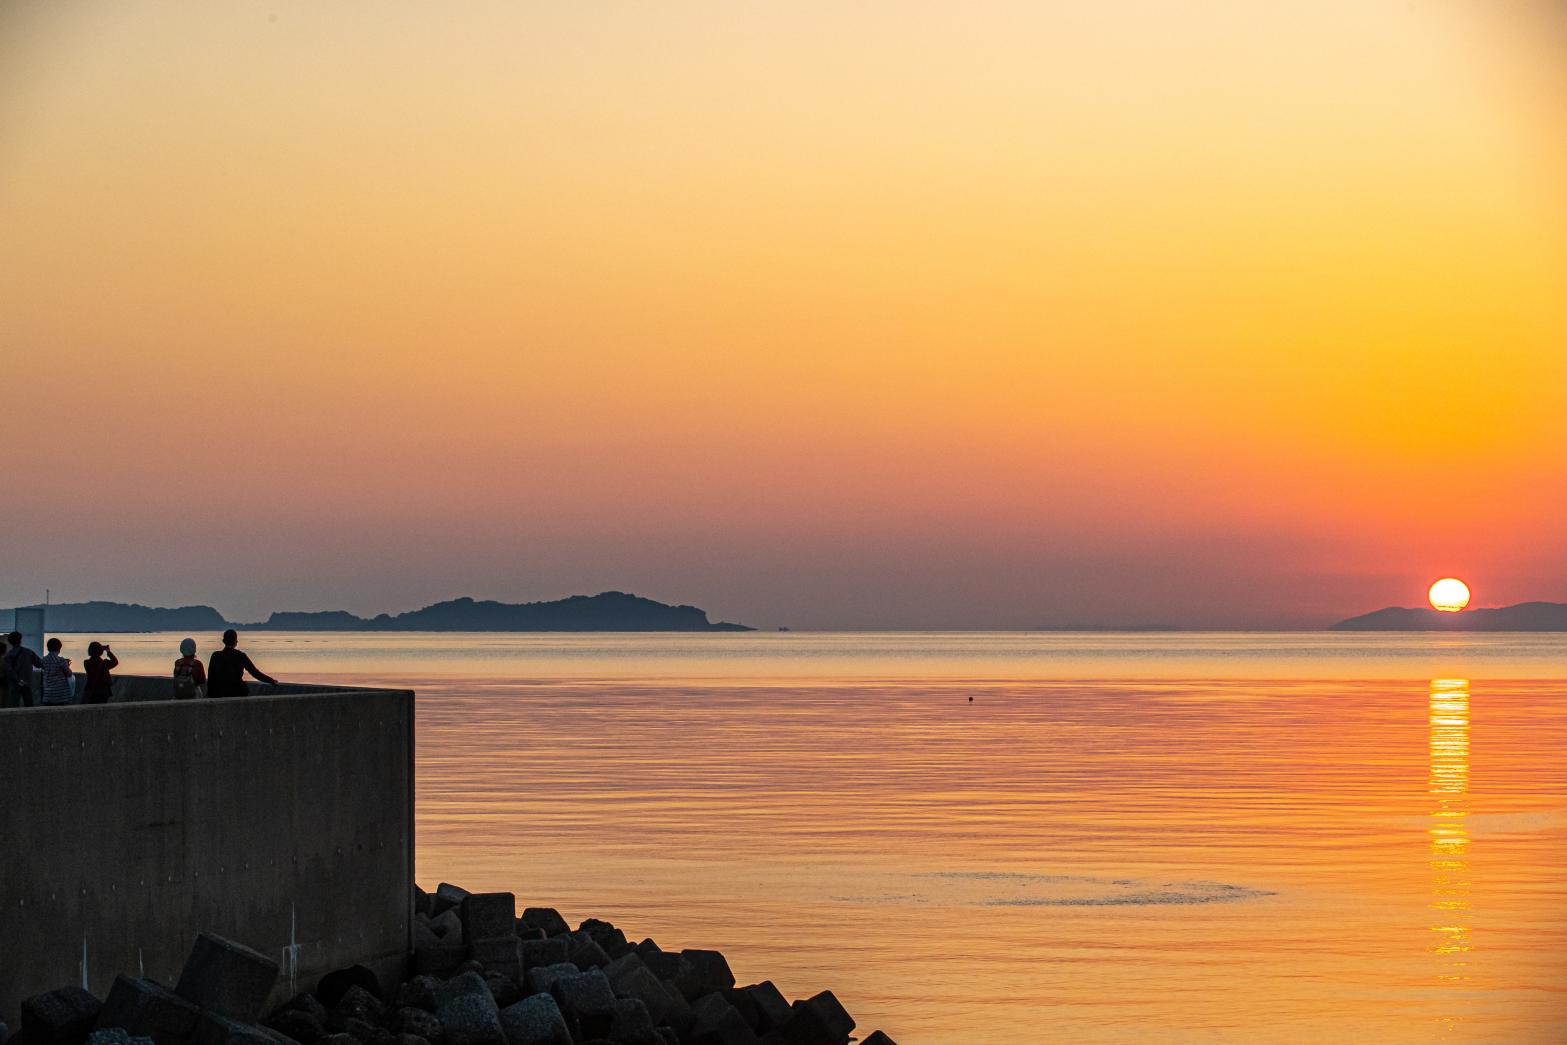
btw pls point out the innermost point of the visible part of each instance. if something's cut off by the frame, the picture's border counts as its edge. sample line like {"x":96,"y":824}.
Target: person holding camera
{"x":100,"y":683}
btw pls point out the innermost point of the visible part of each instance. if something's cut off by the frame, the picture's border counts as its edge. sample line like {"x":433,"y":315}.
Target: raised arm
{"x":257,"y":673}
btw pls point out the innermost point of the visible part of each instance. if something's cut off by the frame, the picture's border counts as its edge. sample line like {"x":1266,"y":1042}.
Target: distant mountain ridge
{"x":1526,"y":616}
{"x":125,"y":616}
{"x":606,"y":611}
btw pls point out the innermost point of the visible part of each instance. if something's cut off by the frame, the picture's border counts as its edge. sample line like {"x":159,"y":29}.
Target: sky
{"x":821,"y":315}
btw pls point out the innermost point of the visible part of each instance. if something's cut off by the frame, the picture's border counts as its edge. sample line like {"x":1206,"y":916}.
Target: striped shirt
{"x":56,"y":679}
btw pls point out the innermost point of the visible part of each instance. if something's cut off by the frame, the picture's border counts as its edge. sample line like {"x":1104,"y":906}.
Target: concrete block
{"x":878,"y":1038}
{"x":622,"y":965}
{"x":820,"y":1020}
{"x":305,"y":1002}
{"x":503,"y":989}
{"x":702,"y":972}
{"x":663,"y":964}
{"x":358,"y":1004}
{"x":771,"y":1006}
{"x":632,"y":1024}
{"x":417,"y":993}
{"x":546,"y":918}
{"x":502,"y":955}
{"x":421,"y":901}
{"x":445,"y":897}
{"x":472,"y":1019}
{"x":440,"y":959}
{"x":213,"y":1029}
{"x":419,"y":1022}
{"x":227,"y":978}
{"x":535,"y":1020}
{"x":588,"y":955}
{"x":488,"y":916}
{"x":148,"y":1010}
{"x":731,"y":1030}
{"x":663,"y":1004}
{"x":277,"y":1037}
{"x":343,"y":1024}
{"x":613,"y":941}
{"x":832,"y":1012}
{"x":588,"y":1002}
{"x":541,"y":979}
{"x":331,"y":987}
{"x":298,"y":1025}
{"x":528,"y":932}
{"x":447,"y":925}
{"x":710,"y":1008}
{"x":744,"y":1004}
{"x":468,"y":983}
{"x":60,"y":1017}
{"x":719,"y":1023}
{"x":536,"y":953}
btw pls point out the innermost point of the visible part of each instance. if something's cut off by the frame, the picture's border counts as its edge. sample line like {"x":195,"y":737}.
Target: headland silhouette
{"x":1525,"y":616}
{"x":606,"y":611}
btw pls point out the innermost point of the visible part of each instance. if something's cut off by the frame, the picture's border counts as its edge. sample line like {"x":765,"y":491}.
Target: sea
{"x":1017,"y":837}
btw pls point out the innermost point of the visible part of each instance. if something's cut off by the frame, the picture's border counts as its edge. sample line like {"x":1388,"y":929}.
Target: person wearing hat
{"x":100,"y":683}
{"x":190,"y":678}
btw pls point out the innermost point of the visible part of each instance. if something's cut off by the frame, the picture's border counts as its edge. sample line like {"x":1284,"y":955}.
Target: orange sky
{"x":811,"y":314}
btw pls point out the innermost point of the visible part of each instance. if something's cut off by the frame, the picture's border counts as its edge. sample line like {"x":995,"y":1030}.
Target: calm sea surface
{"x":1157,"y":837}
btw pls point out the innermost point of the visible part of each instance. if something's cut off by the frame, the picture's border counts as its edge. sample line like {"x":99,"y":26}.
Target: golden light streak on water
{"x":1450,"y":877}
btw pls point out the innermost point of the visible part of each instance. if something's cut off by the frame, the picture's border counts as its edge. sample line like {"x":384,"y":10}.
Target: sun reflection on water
{"x":1449,"y":786}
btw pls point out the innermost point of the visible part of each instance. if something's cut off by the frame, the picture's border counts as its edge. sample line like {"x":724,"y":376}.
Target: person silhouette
{"x":190,"y":678}
{"x":56,"y":682}
{"x":226,"y":669}
{"x":20,"y":663}
{"x":98,"y":669}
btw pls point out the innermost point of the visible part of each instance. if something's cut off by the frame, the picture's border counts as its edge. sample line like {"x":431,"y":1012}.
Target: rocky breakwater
{"x":480,"y":975}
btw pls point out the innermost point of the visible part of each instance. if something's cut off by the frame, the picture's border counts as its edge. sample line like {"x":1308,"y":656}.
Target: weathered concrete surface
{"x":135,"y":688}
{"x":283,"y":822}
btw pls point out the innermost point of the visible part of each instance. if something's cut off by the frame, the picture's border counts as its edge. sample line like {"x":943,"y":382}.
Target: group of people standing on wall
{"x":223,"y":675}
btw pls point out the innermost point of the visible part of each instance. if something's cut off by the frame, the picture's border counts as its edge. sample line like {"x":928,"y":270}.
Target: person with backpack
{"x":20,"y":663}
{"x":58,"y":684}
{"x":100,"y":683}
{"x":190,"y":678}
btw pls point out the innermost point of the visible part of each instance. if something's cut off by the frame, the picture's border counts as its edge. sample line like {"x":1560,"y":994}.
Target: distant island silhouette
{"x":1526,"y":616}
{"x":606,"y":611}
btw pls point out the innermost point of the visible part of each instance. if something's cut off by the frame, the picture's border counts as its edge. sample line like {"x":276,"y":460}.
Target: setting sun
{"x":1449,"y":595}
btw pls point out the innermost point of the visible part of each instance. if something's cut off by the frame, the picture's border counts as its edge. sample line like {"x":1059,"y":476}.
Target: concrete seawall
{"x":282,"y":821}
